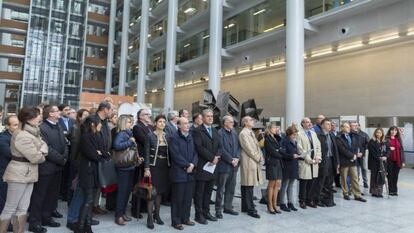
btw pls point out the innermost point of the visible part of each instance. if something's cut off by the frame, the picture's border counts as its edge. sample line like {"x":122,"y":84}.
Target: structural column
{"x":216,"y":31}
{"x":123,"y":66}
{"x":143,"y":42}
{"x":170,"y":55}
{"x":111,"y":39}
{"x":295,"y":42}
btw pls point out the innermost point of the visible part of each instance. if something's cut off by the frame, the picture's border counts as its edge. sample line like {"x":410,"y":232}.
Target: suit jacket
{"x":5,"y":153}
{"x":376,"y":151}
{"x":273,"y":151}
{"x":170,"y":129}
{"x":230,"y":150}
{"x":67,"y":130}
{"x":207,"y":148}
{"x":307,"y":170}
{"x":251,"y":156}
{"x":88,"y":166}
{"x":323,"y":167}
{"x":140,"y":132}
{"x":346,"y":153}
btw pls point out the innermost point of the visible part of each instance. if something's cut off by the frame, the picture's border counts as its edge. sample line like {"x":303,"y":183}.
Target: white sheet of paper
{"x":209,"y":167}
{"x":304,"y":154}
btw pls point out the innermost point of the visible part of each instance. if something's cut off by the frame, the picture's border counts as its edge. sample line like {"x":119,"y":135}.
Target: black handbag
{"x":381,"y":174}
{"x":145,"y":190}
{"x":126,"y":158}
{"x":106,"y":172}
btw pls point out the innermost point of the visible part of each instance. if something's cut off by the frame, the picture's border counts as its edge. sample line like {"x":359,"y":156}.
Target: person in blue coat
{"x":184,"y":158}
{"x":11,"y":123}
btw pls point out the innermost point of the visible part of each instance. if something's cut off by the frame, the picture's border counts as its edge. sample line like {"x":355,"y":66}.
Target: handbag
{"x":106,"y":172}
{"x":126,"y":158}
{"x":381,"y":174}
{"x":145,"y":190}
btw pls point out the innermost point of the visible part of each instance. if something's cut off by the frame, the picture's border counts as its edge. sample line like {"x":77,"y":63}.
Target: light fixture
{"x":259,"y":12}
{"x":384,"y":38}
{"x":159,"y":28}
{"x":131,"y":24}
{"x":205,"y":37}
{"x":130,"y":47}
{"x":186,"y":45}
{"x":154,"y":90}
{"x":273,"y":28}
{"x":190,"y":10}
{"x":321,"y":52}
{"x":229,"y":26}
{"x":350,"y":46}
{"x":278,"y":63}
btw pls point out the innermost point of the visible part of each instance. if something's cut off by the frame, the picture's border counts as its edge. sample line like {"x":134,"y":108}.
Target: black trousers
{"x":323,"y":184}
{"x":203,"y":190}
{"x":181,"y":197}
{"x":393,"y":172}
{"x":44,"y":198}
{"x":247,"y":204}
{"x":305,"y":190}
{"x":85,"y":215}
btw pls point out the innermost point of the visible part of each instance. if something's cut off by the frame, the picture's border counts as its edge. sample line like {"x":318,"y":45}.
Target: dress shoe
{"x":254,"y":215}
{"x":302,"y":205}
{"x":311,"y":204}
{"x":366,"y":185}
{"x":158,"y":220}
{"x":210,"y":217}
{"x":321,"y":204}
{"x":346,"y":197}
{"x":126,"y":218}
{"x":284,"y":208}
{"x":71,"y":225}
{"x":56,"y":214}
{"x":201,"y":220}
{"x":99,"y":210}
{"x":360,"y":199}
{"x":120,"y":221}
{"x":51,"y":223}
{"x":332,"y":204}
{"x":178,"y":227}
{"x":189,"y":223}
{"x":380,"y":196}
{"x":94,"y":222}
{"x":278,"y":211}
{"x":88,"y":229}
{"x":271,"y":211}
{"x":231,"y":212}
{"x":292,"y":207}
{"x":37,"y":228}
{"x":219,"y":215}
{"x":362,"y":194}
{"x":393,"y":194}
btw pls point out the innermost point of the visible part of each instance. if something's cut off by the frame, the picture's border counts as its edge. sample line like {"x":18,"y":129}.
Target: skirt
{"x":274,"y":172}
{"x":160,"y":175}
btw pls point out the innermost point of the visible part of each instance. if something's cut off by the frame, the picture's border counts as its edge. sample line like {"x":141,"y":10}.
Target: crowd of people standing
{"x":51,"y":151}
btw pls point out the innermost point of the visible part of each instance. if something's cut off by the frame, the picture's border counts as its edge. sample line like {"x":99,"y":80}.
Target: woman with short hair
{"x":378,"y":149}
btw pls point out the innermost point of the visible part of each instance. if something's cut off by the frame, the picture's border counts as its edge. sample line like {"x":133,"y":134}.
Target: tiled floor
{"x":394,"y":214}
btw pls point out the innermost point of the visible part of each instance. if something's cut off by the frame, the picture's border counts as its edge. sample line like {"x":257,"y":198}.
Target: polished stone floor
{"x":394,"y":214}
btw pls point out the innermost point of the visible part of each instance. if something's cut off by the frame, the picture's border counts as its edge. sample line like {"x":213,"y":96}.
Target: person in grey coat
{"x":227,"y":167}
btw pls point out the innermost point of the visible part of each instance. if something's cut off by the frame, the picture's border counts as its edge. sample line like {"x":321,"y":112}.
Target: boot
{"x":4,"y":224}
{"x":20,"y":224}
{"x":79,"y":229}
{"x":157,"y":219}
{"x":88,"y":229}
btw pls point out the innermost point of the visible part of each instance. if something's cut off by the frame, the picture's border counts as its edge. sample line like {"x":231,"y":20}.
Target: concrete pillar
{"x":123,"y":66}
{"x":143,"y":43}
{"x":111,"y":39}
{"x":216,"y":35}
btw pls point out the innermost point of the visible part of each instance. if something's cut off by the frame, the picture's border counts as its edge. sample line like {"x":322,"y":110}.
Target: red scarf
{"x":396,"y":154}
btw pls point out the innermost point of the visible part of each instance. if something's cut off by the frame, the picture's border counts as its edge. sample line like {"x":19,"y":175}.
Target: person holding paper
{"x":183,"y":161}
{"x":250,"y":166}
{"x":309,"y":148}
{"x":227,"y":167}
{"x":208,"y":146}
{"x":348,"y":153}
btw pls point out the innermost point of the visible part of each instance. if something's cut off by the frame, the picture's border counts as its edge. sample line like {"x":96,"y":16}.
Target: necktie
{"x":210,"y":132}
{"x":309,"y":135}
{"x":348,"y":138}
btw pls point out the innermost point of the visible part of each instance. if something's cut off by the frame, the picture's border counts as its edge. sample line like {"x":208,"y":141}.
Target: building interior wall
{"x":374,"y":82}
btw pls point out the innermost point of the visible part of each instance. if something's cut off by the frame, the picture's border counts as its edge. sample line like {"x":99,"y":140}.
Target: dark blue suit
{"x":182,"y":153}
{"x":5,"y":157}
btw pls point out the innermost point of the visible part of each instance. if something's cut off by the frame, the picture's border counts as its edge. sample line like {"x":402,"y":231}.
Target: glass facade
{"x":54,"y":50}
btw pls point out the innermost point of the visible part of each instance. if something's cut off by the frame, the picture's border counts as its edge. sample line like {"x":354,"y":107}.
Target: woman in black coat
{"x":290,"y":169}
{"x":92,"y":150}
{"x":273,"y":166}
{"x":376,"y":161}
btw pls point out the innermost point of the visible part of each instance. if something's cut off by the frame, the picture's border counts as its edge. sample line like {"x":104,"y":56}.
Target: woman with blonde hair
{"x":273,"y":162}
{"x":124,"y":140}
{"x":378,"y":153}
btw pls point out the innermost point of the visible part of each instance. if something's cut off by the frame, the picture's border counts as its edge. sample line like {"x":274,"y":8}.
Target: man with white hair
{"x":250,"y":166}
{"x":171,"y":127}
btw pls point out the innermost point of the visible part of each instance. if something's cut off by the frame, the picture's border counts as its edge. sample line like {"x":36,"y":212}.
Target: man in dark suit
{"x":208,"y":146}
{"x":46,"y":191}
{"x":183,"y":161}
{"x":140,"y":131}
{"x":328,"y":168}
{"x":227,"y":167}
{"x":171,"y":126}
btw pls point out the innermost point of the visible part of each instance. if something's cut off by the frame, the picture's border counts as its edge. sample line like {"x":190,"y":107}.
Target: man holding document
{"x":208,"y":145}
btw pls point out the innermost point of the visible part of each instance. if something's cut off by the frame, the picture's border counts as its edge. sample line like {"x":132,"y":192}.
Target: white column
{"x":295,"y":42}
{"x":170,"y":55}
{"x":111,"y":39}
{"x":123,"y":66}
{"x":143,"y":43}
{"x":216,"y":32}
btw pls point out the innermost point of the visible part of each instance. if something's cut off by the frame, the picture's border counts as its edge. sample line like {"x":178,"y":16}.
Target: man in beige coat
{"x":310,"y":149}
{"x":250,"y":166}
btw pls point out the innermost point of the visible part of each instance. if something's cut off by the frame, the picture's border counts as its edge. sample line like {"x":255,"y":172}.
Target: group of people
{"x":46,"y":152}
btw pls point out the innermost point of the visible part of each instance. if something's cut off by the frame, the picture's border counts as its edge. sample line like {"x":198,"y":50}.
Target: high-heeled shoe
{"x":158,"y":220}
{"x":126,"y":218}
{"x":120,"y":221}
{"x":150,"y":222}
{"x":270,"y":211}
